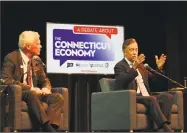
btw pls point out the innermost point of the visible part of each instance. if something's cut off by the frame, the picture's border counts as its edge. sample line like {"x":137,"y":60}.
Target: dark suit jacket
{"x":13,"y":72}
{"x":125,"y":76}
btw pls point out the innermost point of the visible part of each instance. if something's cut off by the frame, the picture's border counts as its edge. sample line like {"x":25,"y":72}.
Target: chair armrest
{"x":65,"y":94}
{"x":113,"y":110}
{"x":2,"y":110}
{"x":13,"y":105}
{"x":177,"y":96}
{"x":178,"y":100}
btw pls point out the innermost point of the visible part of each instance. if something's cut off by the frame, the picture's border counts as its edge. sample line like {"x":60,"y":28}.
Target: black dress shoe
{"x":47,"y":128}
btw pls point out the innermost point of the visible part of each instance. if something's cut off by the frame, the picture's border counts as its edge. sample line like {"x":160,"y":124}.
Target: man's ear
{"x":124,"y":52}
{"x":28,"y":46}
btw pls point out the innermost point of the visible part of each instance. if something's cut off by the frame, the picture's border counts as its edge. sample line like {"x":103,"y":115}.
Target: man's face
{"x":35,"y":47}
{"x":131,"y":52}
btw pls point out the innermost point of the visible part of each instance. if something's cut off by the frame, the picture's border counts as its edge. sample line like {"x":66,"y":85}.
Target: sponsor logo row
{"x":106,"y":65}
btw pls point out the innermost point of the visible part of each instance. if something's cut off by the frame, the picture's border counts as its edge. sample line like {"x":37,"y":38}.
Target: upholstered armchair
{"x":14,"y":111}
{"x":118,"y":111}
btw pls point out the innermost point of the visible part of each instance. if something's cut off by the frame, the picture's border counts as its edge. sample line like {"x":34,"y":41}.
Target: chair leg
{"x":131,"y":131}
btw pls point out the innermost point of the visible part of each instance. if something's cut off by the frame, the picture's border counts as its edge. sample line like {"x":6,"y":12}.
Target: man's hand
{"x":161,"y":61}
{"x":46,"y":91}
{"x":37,"y":90}
{"x":138,"y":61}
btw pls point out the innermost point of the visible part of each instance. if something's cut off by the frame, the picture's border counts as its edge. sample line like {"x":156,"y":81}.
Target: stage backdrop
{"x":90,"y":49}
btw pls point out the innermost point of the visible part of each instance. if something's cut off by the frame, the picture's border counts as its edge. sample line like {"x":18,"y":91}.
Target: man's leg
{"x":55,"y":103}
{"x":36,"y":110}
{"x":154,"y":111}
{"x":165,"y":101}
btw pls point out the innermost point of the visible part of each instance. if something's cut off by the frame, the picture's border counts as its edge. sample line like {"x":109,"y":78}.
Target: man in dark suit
{"x":22,"y":69}
{"x":130,"y":73}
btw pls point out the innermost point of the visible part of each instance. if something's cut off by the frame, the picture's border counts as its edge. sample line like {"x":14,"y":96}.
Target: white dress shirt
{"x":139,"y":81}
{"x":25,"y":61}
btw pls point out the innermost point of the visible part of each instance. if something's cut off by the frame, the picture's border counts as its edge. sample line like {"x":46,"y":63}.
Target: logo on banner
{"x":69,"y":65}
{"x":106,"y":64}
{"x":96,"y":65}
{"x":83,"y":44}
{"x":81,"y":65}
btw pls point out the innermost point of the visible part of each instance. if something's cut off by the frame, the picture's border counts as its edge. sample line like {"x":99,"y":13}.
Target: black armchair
{"x":14,"y":111}
{"x":118,"y":111}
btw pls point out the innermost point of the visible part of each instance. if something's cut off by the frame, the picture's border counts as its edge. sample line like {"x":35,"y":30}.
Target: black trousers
{"x":37,"y":113}
{"x":159,"y":107}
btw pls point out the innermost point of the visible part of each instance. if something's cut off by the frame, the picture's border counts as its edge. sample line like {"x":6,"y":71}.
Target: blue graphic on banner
{"x":88,"y":47}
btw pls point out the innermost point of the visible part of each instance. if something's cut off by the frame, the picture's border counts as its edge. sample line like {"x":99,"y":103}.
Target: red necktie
{"x":29,"y":73}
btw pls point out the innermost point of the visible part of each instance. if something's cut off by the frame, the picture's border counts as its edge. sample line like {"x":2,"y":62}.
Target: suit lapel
{"x":35,"y":69}
{"x":133,"y":83}
{"x":142,"y":71}
{"x":20,"y":66}
{"x":20,"y":72}
{"x":126,"y":65}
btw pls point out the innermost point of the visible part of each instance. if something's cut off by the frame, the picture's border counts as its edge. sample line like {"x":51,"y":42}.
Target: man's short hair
{"x":127,"y":42}
{"x":27,"y":37}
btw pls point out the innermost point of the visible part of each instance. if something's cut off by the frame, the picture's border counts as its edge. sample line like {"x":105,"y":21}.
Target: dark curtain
{"x":159,"y":27}
{"x":176,"y":40}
